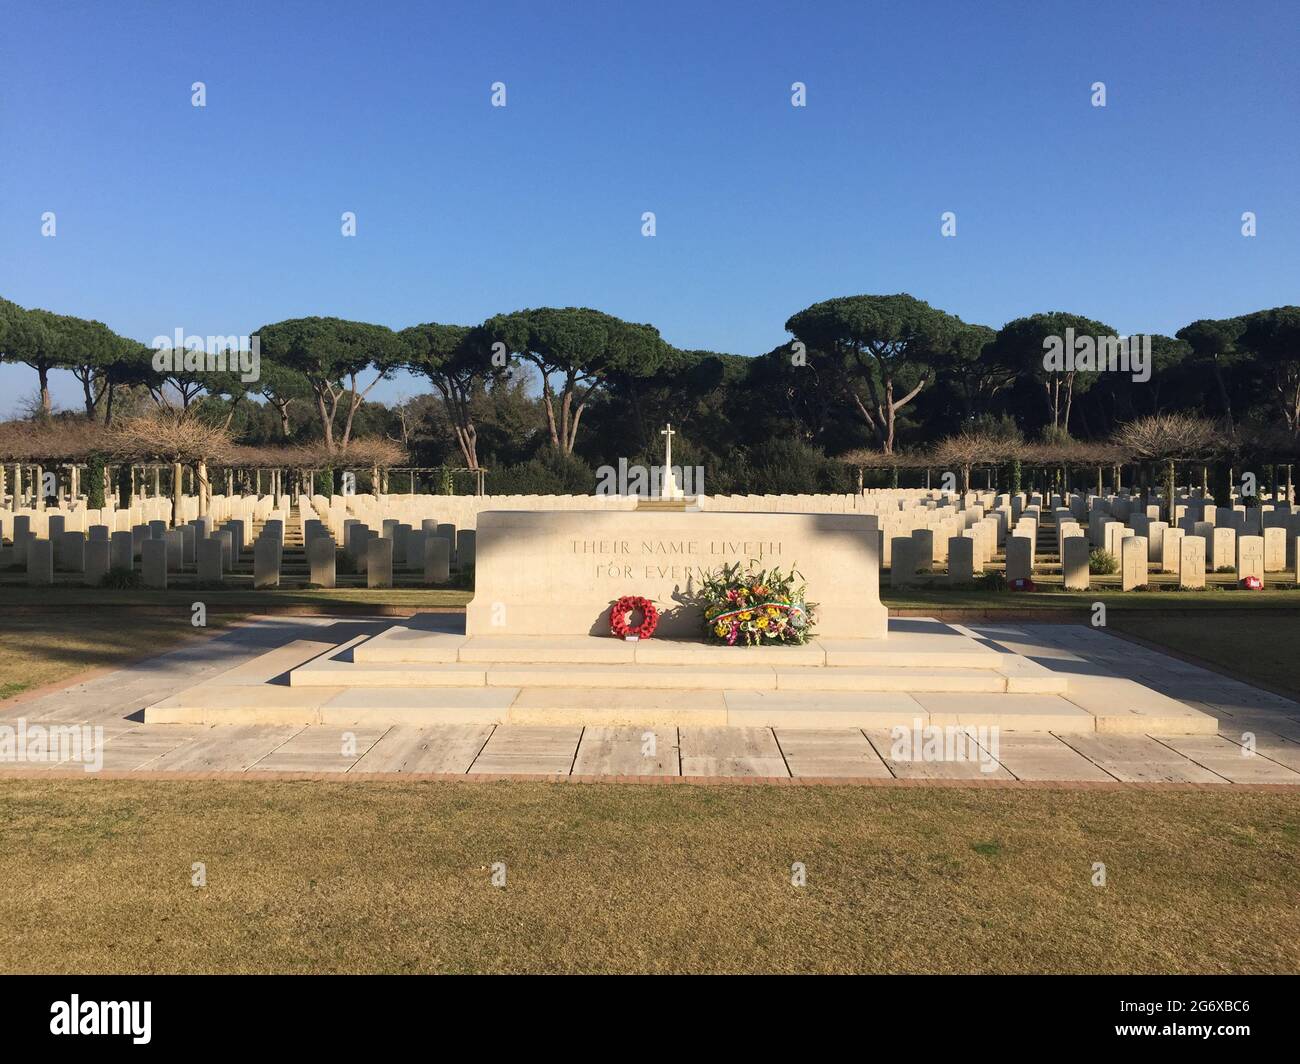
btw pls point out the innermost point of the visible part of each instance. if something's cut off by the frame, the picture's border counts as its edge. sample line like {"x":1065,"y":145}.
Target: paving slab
{"x":1140,"y":759}
{"x":224,"y":748}
{"x":320,"y":749}
{"x":1124,"y":706}
{"x":1279,"y":748}
{"x":679,"y":652}
{"x":273,"y":666}
{"x":868,"y":678}
{"x":146,"y":743}
{"x":417,"y":706}
{"x":242,"y":704}
{"x":830,"y":752}
{"x":628,"y":752}
{"x":635,"y":677}
{"x":979,"y":764}
{"x":532,"y":650}
{"x":546,"y":751}
{"x":403,"y":643}
{"x":336,"y":672}
{"x":1229,"y":760}
{"x":612,"y":707}
{"x":442,"y":748}
{"x":1029,"y":756}
{"x":822,"y":709}
{"x":731,"y":752}
{"x":1041,"y":713}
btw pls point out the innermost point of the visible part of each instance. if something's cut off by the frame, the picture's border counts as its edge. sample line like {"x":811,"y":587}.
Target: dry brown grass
{"x":395,"y":877}
{"x":37,"y":650}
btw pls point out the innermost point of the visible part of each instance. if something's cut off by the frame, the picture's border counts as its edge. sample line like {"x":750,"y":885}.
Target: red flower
{"x":620,"y":616}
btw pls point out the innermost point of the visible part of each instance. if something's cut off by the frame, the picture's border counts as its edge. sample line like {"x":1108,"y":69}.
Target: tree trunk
{"x":176,"y":494}
{"x":43,"y":373}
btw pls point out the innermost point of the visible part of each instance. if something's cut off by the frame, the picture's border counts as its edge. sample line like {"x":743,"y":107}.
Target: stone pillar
{"x":227,"y":542}
{"x":1115,"y":533}
{"x":1074,"y":563}
{"x":266,"y":562}
{"x":1020,"y":558}
{"x":961,"y":560}
{"x":448,"y":532}
{"x":72,"y":552}
{"x":1170,"y":547}
{"x":1191,"y":563}
{"x":153,"y":563}
{"x":190,"y":539}
{"x":379,"y":562}
{"x":175,"y":540}
{"x":97,"y":557}
{"x":320,"y":560}
{"x":1134,"y":553}
{"x":238,"y":537}
{"x":122,"y":550}
{"x":40,"y":562}
{"x":1250,"y":557}
{"x":210,"y":556}
{"x":437,"y":560}
{"x":467,"y":544}
{"x":902,"y":568}
{"x":1274,"y":549}
{"x":1223,"y":549}
{"x":354,"y":546}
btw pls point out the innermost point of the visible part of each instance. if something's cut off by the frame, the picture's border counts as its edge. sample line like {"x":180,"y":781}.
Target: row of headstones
{"x":50,"y":524}
{"x":161,"y":550}
{"x":430,"y":548}
{"x":1187,"y":556}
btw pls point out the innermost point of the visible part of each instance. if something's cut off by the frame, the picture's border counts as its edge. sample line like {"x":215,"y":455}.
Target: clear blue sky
{"x":224,"y":218}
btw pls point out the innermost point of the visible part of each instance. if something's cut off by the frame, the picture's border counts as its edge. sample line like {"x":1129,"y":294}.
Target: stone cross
{"x":668,"y":485}
{"x":668,"y":435}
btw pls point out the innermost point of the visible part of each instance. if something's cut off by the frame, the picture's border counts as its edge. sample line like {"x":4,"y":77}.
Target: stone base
{"x":925,"y":671}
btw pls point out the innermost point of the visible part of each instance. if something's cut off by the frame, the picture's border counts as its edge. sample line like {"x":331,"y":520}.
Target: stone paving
{"x":115,"y":701}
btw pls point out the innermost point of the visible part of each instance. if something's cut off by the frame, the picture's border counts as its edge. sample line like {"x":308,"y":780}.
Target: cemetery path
{"x":1250,"y":720}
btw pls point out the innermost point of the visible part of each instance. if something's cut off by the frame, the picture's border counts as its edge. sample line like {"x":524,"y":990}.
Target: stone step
{"x":337,"y":671}
{"x":912,"y":643}
{"x":594,"y":706}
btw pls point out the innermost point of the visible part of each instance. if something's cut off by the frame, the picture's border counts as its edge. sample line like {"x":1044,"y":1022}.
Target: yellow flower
{"x":747,"y":615}
{"x":762,"y":622}
{"x":772,"y":611}
{"x":720,"y":629}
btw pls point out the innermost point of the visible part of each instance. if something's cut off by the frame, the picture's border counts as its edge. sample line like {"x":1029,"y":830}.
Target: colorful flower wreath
{"x":623,"y":608}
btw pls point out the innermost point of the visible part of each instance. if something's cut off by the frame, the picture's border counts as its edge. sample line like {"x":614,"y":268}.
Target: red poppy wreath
{"x":620,"y":616}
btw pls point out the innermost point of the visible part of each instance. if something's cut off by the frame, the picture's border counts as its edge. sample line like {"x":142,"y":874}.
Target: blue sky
{"x":224,"y":218}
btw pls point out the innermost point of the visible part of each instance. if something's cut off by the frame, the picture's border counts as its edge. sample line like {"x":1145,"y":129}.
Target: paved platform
{"x":427,"y":672}
{"x":258,"y":655}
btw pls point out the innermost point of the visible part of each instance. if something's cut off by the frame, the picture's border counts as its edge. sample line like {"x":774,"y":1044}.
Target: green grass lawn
{"x":40,"y":649}
{"x":935,"y":597}
{"x":941,"y":598}
{"x":1263,"y":649}
{"x":243,"y":601}
{"x":379,"y":877}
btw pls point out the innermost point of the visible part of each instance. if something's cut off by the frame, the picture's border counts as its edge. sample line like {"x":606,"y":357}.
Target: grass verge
{"x":1254,"y":649}
{"x":361,"y":877}
{"x":41,"y":649}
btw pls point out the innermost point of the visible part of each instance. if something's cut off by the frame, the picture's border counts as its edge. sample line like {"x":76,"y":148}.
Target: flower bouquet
{"x":756,"y":608}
